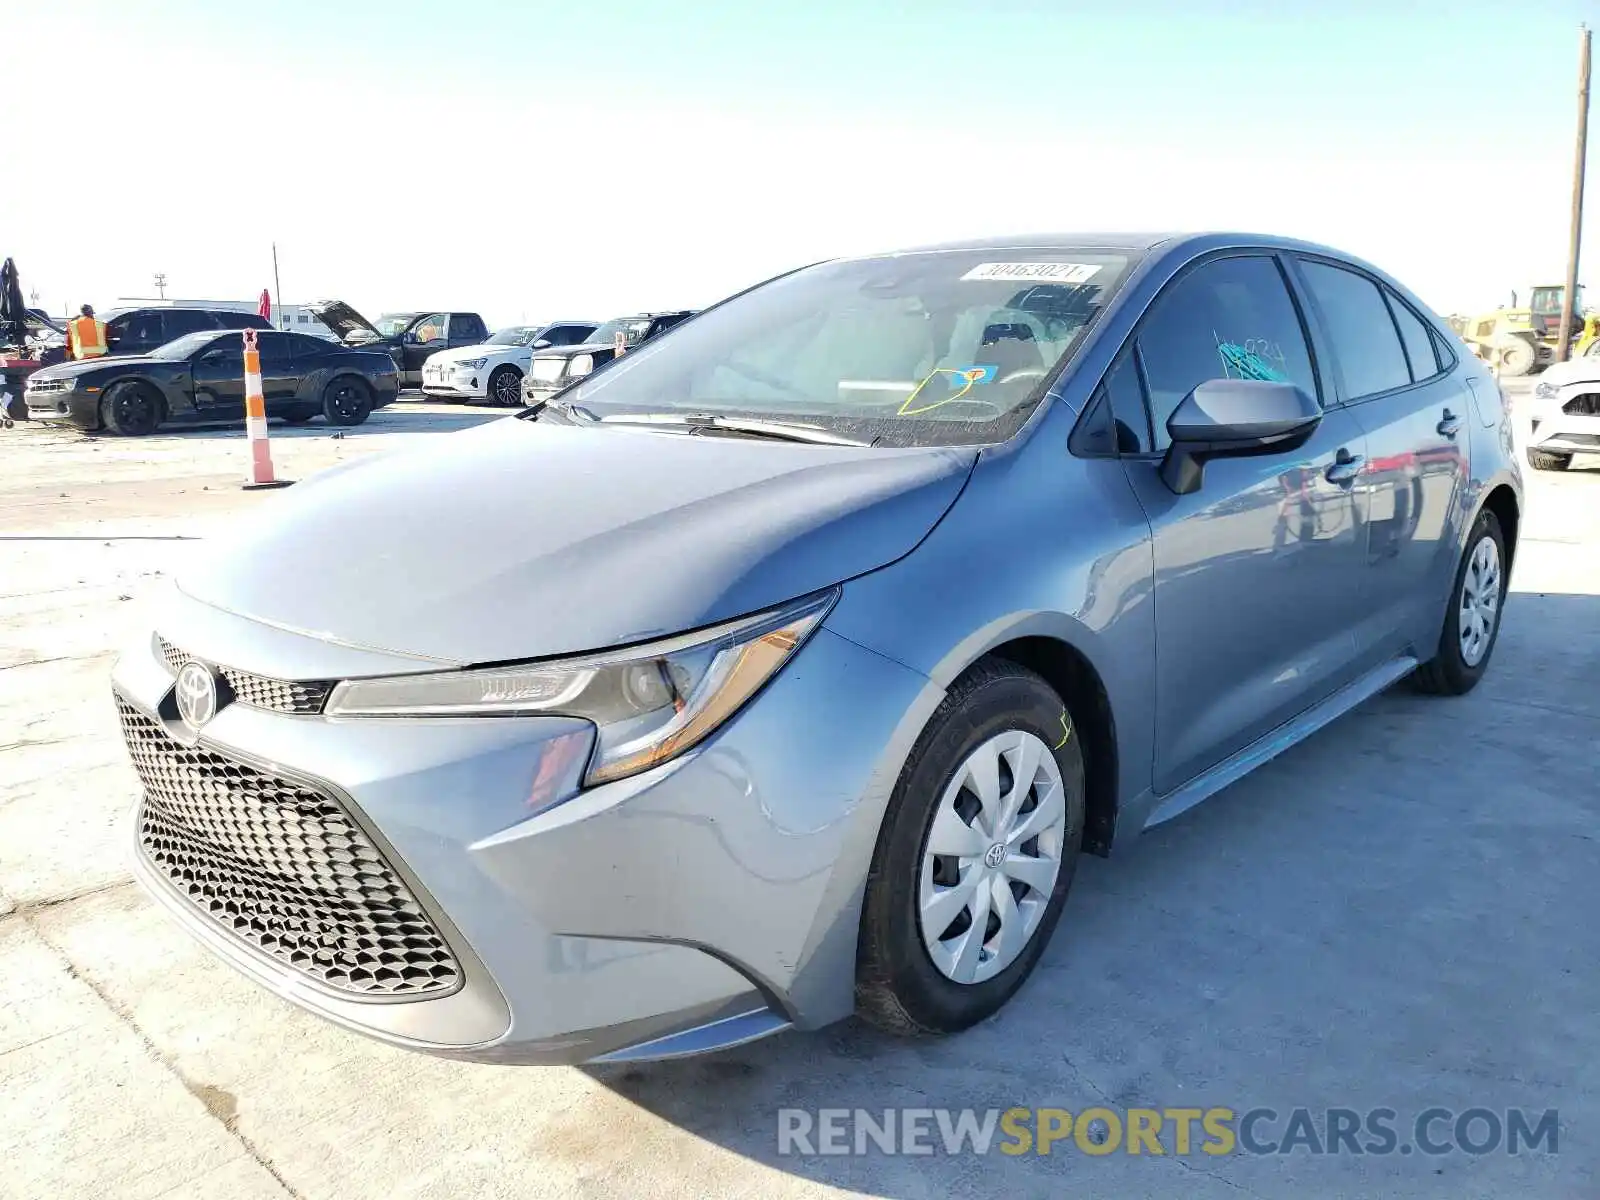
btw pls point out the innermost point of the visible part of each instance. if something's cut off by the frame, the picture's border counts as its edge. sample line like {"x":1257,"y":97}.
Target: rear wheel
{"x":1517,"y":357}
{"x":346,"y":401}
{"x":505,"y":387}
{"x":1543,"y":460}
{"x":975,"y":857}
{"x":131,"y":409}
{"x":1472,"y":621}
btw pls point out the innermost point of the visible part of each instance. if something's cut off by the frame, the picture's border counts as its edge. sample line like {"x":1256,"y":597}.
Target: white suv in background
{"x":1565,"y":413}
{"x":493,"y":370}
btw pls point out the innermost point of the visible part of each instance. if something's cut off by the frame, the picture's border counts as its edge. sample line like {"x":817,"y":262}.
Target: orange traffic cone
{"x":255,"y":420}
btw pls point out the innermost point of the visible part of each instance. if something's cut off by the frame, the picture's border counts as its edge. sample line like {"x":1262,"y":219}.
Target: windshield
{"x":392,"y":324}
{"x":633,"y":328}
{"x":188,"y":344}
{"x":516,"y":335}
{"x":929,"y":348}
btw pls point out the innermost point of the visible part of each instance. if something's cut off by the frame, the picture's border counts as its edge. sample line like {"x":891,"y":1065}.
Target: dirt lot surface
{"x":1400,"y":912}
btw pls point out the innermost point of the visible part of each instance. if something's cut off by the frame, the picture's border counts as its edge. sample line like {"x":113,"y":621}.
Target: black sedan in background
{"x":200,"y":378}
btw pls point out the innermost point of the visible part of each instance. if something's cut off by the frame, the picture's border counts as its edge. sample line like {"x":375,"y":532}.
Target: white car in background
{"x":1564,"y":415}
{"x":492,"y":371}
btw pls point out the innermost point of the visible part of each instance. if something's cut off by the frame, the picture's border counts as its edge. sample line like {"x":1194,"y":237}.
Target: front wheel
{"x":131,"y":409}
{"x":1517,"y":358}
{"x":975,"y":856}
{"x":505,"y":387}
{"x":346,"y":401}
{"x":1472,"y":621}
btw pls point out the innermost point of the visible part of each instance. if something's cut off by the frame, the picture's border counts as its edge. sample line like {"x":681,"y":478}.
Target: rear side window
{"x":1363,"y":333}
{"x":177,"y":321}
{"x":1232,"y":318}
{"x":1414,"y":335}
{"x":568,"y":335}
{"x":467,"y":325}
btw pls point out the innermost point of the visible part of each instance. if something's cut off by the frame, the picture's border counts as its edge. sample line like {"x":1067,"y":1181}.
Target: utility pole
{"x":277,"y":292}
{"x":1570,"y":295}
{"x":161,"y":283}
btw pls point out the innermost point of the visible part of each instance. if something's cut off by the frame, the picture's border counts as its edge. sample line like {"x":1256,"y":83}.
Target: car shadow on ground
{"x":383,"y":421}
{"x":1355,"y":920}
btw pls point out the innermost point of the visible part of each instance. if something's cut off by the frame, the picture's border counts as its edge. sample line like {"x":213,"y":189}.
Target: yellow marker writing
{"x":1066,"y":732}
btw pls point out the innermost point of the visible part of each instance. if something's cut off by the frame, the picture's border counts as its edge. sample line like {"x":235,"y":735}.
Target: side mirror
{"x":1234,"y":418}
{"x":543,"y":344}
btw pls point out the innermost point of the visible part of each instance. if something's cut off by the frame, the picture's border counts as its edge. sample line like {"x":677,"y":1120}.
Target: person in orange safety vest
{"x":86,"y":334}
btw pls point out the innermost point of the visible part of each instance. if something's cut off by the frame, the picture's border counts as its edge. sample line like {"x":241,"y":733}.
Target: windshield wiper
{"x":786,"y":431}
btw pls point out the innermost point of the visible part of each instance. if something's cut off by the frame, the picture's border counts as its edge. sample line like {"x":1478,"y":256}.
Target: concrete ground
{"x":1397,"y":913}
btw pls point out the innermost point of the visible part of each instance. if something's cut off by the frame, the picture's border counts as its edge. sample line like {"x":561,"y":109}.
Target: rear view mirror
{"x":1234,"y":418}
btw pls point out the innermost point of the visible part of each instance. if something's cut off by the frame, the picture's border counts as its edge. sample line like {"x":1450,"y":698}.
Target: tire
{"x":1543,"y":460}
{"x":900,"y":987}
{"x":346,"y":400}
{"x":1517,"y":357}
{"x":505,"y":387}
{"x":1452,"y":671}
{"x":298,"y":415}
{"x":131,"y":409}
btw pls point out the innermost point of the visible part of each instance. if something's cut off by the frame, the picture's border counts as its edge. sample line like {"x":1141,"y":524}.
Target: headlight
{"x":1545,"y":391}
{"x":471,"y":364}
{"x":648,"y":703}
{"x":581,"y":364}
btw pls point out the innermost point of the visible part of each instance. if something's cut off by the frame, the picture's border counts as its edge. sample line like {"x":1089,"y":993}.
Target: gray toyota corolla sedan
{"x":783,"y":669}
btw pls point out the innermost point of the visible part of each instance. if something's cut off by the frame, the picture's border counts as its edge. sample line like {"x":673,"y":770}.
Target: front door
{"x":1395,"y":377}
{"x":426,"y":336}
{"x":278,"y":375}
{"x":218,"y":375}
{"x":1258,"y":573}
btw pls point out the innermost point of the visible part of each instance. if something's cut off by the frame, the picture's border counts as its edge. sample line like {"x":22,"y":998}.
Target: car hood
{"x":1577,"y":370}
{"x":521,"y":539}
{"x":482,"y":350}
{"x":71,"y":370}
{"x":344,"y":320}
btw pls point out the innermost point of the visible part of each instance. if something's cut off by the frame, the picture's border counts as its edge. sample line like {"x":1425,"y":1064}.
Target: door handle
{"x":1449,"y":425}
{"x":1345,"y":468}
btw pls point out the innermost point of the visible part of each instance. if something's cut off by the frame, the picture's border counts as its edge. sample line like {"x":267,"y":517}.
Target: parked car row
{"x":199,"y":377}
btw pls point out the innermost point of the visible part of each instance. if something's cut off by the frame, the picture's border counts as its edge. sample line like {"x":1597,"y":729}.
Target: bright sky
{"x":530,"y":159}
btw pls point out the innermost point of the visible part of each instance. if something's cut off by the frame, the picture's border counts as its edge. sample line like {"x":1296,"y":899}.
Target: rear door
{"x":1258,"y":572}
{"x":1393,"y":374}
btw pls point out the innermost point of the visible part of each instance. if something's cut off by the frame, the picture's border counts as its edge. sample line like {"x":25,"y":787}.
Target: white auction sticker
{"x":1050,"y":272}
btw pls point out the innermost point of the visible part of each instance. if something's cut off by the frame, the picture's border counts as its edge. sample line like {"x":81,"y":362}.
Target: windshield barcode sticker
{"x":1049,"y":272}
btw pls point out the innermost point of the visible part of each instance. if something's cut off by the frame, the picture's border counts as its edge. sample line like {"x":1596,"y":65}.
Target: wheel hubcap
{"x":992,"y":857}
{"x":1480,"y":601}
{"x":507,"y":389}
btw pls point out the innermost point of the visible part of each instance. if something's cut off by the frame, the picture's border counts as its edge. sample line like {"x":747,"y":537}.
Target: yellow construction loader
{"x":1523,"y":338}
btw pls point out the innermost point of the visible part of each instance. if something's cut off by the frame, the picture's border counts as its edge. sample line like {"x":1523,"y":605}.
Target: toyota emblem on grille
{"x":197,"y":695}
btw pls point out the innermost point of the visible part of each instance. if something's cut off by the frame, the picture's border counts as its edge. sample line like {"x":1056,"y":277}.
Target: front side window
{"x":180,"y":321}
{"x":568,"y":335}
{"x":430,"y":329}
{"x":1231,"y":318}
{"x":1364,"y":336}
{"x":950,"y":347}
{"x":140,"y":328}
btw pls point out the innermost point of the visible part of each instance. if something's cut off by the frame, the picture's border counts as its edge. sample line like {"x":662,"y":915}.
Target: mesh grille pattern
{"x":280,"y":695}
{"x":283,"y":868}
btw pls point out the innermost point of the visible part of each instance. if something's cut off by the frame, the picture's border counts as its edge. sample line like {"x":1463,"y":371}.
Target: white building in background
{"x":296,"y":318}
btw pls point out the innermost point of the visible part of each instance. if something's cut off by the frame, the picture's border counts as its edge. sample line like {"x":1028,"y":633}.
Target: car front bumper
{"x":1566,"y":423}
{"x":710,"y":901}
{"x":455,"y":385}
{"x":78,"y":408}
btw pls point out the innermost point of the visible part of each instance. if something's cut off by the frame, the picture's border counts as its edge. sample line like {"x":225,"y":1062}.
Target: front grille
{"x":40,"y":387}
{"x":283,"y":868}
{"x":1583,"y":406}
{"x":279,"y":695}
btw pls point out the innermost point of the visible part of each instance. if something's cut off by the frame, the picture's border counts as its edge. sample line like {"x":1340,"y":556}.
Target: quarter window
{"x":1419,"y":345}
{"x":1364,"y":335}
{"x":1232,"y":318}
